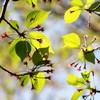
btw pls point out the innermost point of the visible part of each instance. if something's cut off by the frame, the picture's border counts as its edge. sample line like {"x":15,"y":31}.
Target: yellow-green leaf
{"x":24,"y":80}
{"x":35,"y":43}
{"x":36,"y":17}
{"x":38,"y":81}
{"x":71,"y":17}
{"x":71,"y":41}
{"x":76,"y":3}
{"x":32,"y":2}
{"x":81,"y":53}
{"x":89,"y":2}
{"x":75,"y":81}
{"x":86,"y":75}
{"x":12,"y":52}
{"x":77,"y":94}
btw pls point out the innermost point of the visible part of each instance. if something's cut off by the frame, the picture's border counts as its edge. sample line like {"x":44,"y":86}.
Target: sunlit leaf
{"x":35,"y":43}
{"x":90,"y":57}
{"x":75,"y":81}
{"x":77,"y":94}
{"x":22,"y":48}
{"x":76,"y":3}
{"x":71,"y":41}
{"x":89,"y":2}
{"x":95,"y":6}
{"x":36,"y":17}
{"x":24,"y":80}
{"x":86,"y":75}
{"x":72,"y":14}
{"x":81,"y":54}
{"x":32,"y":2}
{"x":38,"y":81}
{"x":15,"y":24}
{"x":11,"y":49}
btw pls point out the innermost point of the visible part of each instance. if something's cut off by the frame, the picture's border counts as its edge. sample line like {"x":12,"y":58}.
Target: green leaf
{"x":37,"y":58}
{"x":32,"y":2}
{"x":38,"y":81}
{"x":76,"y":3}
{"x":81,"y":53}
{"x":24,"y":80}
{"x":86,"y":75}
{"x":90,"y":57}
{"x":22,"y":49}
{"x":44,"y":51}
{"x":95,"y":6}
{"x":77,"y":94}
{"x":15,"y":24}
{"x":72,"y":41}
{"x":75,"y":81}
{"x":36,"y":17}
{"x":71,"y":17}
{"x":89,"y":2}
{"x":11,"y":50}
{"x":45,"y":41}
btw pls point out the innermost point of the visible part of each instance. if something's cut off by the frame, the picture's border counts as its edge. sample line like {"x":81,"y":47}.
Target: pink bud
{"x":91,"y":92}
{"x":5,"y":34}
{"x":85,"y":36}
{"x":71,"y":64}
{"x":89,"y":25}
{"x":84,"y":45}
{"x":92,"y":73}
{"x":95,"y":38}
{"x":38,"y":26}
{"x":76,"y":65}
{"x":9,"y":19}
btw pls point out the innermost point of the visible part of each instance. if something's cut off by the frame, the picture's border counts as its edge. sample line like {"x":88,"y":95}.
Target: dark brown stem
{"x":4,"y":10}
{"x":14,"y":74}
{"x":98,"y":48}
{"x":12,"y":27}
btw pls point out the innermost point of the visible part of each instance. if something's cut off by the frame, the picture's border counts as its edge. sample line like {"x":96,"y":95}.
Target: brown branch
{"x":14,"y":74}
{"x":98,"y":48}
{"x":4,"y":10}
{"x":12,"y":27}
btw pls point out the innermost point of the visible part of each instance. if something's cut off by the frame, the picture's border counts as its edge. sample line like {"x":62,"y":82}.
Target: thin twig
{"x":4,"y":10}
{"x":12,"y":27}
{"x":14,"y":74}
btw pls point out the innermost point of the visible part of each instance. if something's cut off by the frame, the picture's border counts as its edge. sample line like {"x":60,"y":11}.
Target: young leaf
{"x":32,"y":2}
{"x":11,"y":50}
{"x":72,"y":14}
{"x":72,"y":41}
{"x":95,"y":6}
{"x":81,"y":53}
{"x":39,"y":81}
{"x":15,"y":24}
{"x":75,"y":81}
{"x":22,"y":49}
{"x":77,"y":94}
{"x":35,"y":36}
{"x":37,"y":58}
{"x":24,"y":80}
{"x":76,"y":3}
{"x":89,"y":2}
{"x":90,"y":57}
{"x":86,"y":75}
{"x":36,"y":17}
